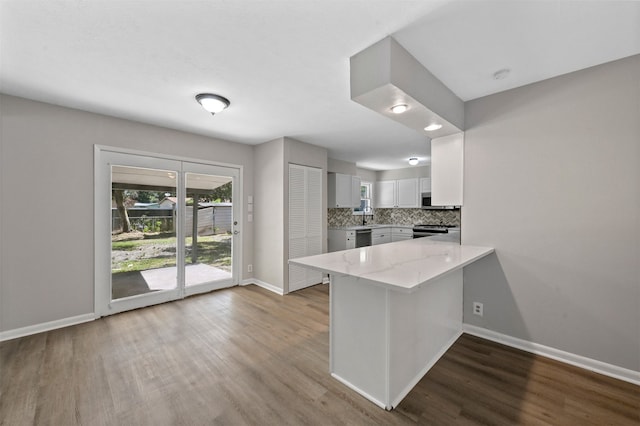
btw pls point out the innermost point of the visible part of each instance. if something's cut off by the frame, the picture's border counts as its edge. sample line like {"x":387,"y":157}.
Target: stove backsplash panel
{"x":345,"y":217}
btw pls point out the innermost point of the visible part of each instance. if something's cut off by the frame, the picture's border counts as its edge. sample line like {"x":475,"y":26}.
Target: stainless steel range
{"x":420,"y":231}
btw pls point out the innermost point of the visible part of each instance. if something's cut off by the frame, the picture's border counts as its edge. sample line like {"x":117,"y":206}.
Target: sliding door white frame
{"x":191,"y":167}
{"x":104,"y":156}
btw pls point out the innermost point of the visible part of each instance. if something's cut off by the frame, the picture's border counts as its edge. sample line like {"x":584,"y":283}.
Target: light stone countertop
{"x":403,"y":265}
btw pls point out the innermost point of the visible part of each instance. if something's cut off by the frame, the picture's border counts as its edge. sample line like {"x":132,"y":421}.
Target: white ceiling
{"x":284,"y":65}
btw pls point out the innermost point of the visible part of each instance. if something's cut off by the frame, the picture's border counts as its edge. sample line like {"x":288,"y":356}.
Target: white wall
{"x":366,"y":175}
{"x":347,"y":168}
{"x":552,"y":181}
{"x":272,"y":205}
{"x":46,"y":263}
{"x":304,"y":154}
{"x":269,"y":204}
{"x":341,"y":166}
{"x":405,"y":173}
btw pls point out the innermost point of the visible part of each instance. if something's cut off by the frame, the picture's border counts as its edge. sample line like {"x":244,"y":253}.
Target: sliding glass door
{"x":143,"y":231}
{"x":165,"y":229}
{"x":209,"y":228}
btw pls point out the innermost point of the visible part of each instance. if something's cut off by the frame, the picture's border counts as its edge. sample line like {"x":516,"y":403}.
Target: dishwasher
{"x":363,"y":237}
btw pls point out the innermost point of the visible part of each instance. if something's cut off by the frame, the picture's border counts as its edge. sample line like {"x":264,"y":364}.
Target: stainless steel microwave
{"x":426,"y":203}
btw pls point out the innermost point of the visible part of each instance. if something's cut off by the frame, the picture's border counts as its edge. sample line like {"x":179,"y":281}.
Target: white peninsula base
{"x":395,"y":310}
{"x":383,"y":341}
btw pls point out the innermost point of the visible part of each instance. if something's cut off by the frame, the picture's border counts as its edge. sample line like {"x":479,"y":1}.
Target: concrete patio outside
{"x":127,"y":284}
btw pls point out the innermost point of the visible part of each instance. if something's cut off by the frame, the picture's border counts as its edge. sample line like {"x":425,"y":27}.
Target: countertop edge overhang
{"x":401,"y":266}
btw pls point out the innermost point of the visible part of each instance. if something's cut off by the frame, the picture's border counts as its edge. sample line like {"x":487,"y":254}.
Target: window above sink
{"x":365,"y":200}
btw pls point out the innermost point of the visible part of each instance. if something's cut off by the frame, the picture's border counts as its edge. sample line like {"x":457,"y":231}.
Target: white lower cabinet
{"x":399,"y":234}
{"x":340,"y":239}
{"x":380,"y":236}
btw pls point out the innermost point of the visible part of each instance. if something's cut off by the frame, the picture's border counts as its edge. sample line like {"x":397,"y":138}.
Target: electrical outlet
{"x":478,"y":308}
{"x":249,"y":268}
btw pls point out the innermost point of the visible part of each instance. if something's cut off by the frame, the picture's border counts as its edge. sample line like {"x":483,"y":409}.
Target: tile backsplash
{"x":344,"y":217}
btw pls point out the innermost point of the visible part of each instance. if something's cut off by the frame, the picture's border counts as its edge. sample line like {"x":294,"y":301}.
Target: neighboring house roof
{"x":173,"y":200}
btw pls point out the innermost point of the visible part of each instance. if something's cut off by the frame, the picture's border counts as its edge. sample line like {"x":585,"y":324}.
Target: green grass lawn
{"x":159,"y":251}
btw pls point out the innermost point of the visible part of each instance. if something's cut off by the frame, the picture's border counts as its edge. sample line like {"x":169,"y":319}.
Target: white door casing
{"x":104,"y":158}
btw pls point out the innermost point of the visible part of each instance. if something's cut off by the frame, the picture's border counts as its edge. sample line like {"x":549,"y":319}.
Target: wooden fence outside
{"x":211,"y":220}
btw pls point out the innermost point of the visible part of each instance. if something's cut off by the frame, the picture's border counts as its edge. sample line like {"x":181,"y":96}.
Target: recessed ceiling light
{"x":501,"y":74}
{"x":413,"y":161}
{"x":212,"y":103}
{"x":432,"y":127}
{"x":399,"y":109}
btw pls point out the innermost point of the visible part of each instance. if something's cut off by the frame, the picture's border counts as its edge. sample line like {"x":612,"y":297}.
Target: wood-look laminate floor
{"x":245,"y":356}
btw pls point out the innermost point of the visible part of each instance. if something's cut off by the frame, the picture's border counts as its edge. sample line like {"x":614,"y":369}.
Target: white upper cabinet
{"x":385,"y":194}
{"x":402,"y":193}
{"x":447,"y":164}
{"x":408,"y":196}
{"x":425,"y":185}
{"x":344,"y":191}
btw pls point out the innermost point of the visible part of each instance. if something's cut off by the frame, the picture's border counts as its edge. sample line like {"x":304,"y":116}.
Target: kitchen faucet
{"x":364,"y":215}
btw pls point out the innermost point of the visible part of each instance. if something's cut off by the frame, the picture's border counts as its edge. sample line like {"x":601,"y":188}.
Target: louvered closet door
{"x":314,"y":220}
{"x":305,"y":222}
{"x":297,"y":226}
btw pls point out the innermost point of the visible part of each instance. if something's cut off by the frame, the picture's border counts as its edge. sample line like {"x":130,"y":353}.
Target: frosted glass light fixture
{"x":212,"y":103}
{"x":413,"y":161}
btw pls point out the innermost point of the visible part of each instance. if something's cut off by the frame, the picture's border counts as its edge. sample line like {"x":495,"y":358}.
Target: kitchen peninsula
{"x":394,"y":311}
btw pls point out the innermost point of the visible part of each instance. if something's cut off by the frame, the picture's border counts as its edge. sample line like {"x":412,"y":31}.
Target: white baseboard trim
{"x":45,"y":326}
{"x":360,"y":391}
{"x":604,"y":368}
{"x":430,"y":363}
{"x":264,"y":285}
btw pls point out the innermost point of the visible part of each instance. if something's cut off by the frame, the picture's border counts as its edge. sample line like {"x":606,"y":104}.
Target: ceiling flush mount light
{"x":432,"y":127}
{"x":399,"y":109}
{"x":501,"y":74}
{"x":212,"y":103}
{"x":413,"y":161}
